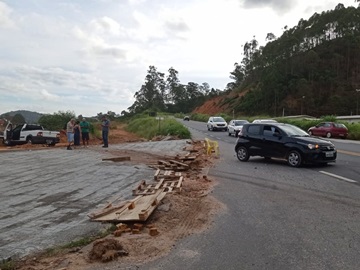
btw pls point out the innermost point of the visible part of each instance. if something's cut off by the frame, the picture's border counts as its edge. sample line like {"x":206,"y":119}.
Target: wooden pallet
{"x":138,"y":209}
{"x":165,"y":186}
{"x":166,"y":174}
{"x":116,"y":159}
{"x":172,"y":186}
{"x":146,"y":189}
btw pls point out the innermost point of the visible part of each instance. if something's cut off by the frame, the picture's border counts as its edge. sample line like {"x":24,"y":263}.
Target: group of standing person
{"x":77,"y":130}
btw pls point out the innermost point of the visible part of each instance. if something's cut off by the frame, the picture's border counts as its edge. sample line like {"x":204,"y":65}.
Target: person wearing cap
{"x":85,"y":129}
{"x":105,"y":125}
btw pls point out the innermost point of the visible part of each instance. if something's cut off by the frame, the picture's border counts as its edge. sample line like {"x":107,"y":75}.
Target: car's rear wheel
{"x":242,"y":153}
{"x":29,"y":140}
{"x":229,"y":133}
{"x":294,"y":158}
{"x":328,"y":135}
{"x":236,"y":133}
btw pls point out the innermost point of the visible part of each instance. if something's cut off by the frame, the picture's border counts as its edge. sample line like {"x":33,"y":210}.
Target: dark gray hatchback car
{"x":278,"y":140}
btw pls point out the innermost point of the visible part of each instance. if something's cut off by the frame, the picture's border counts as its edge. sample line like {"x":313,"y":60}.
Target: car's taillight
{"x":58,"y":135}
{"x":39,"y":134}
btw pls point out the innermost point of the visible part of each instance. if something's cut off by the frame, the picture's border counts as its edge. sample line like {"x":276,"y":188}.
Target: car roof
{"x":268,"y":123}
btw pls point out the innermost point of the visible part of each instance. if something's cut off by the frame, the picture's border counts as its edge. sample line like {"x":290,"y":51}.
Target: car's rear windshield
{"x":338,"y":125}
{"x":240,"y":122}
{"x":218,"y":119}
{"x":293,"y":131}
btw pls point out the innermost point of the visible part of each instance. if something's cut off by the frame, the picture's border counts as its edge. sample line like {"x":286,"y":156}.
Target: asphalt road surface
{"x":277,"y":217}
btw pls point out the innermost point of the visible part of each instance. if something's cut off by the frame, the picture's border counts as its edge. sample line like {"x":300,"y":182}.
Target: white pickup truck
{"x":28,"y":133}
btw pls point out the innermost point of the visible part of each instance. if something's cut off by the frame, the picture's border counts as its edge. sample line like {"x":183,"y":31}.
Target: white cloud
{"x":92,"y":56}
{"x":106,"y":25}
{"x":5,"y":20}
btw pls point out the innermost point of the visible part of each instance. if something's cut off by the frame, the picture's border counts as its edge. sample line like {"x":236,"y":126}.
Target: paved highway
{"x":277,"y":217}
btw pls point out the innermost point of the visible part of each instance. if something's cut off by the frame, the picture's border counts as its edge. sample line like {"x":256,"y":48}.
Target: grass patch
{"x":10,"y":264}
{"x":149,"y":127}
{"x":7,"y":265}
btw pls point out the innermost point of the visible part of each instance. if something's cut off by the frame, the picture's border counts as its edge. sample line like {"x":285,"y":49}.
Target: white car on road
{"x":235,"y":126}
{"x":216,"y":123}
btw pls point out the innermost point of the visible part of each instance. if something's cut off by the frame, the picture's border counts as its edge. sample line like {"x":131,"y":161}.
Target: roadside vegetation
{"x":163,"y":125}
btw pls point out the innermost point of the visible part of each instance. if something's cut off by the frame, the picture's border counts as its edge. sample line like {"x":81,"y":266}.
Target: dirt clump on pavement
{"x":178,"y":215}
{"x":106,"y":250}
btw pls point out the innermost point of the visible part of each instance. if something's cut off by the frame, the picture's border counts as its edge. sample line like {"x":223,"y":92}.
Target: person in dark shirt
{"x":105,"y":126}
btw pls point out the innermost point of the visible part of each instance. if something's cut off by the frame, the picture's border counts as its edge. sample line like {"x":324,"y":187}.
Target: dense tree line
{"x":313,"y":68}
{"x":167,"y":94}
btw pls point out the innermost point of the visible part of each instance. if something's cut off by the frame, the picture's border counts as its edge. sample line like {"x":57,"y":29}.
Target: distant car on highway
{"x":235,"y":126}
{"x":278,"y":140}
{"x":186,"y":118}
{"x":216,"y":123}
{"x":329,"y":129}
{"x":264,"y":121}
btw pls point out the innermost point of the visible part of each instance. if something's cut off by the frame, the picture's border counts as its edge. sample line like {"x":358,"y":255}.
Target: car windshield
{"x":218,"y":119}
{"x":240,"y":122}
{"x":294,"y":131}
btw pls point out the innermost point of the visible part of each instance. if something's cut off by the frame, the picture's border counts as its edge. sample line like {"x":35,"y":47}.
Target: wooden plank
{"x":179,"y":163}
{"x":159,"y":184}
{"x":179,"y":184}
{"x":163,"y":162}
{"x":157,"y":174}
{"x":117,"y":159}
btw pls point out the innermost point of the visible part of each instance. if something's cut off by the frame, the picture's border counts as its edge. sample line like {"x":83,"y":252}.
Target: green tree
{"x":18,"y":119}
{"x":57,"y":120}
{"x":152,"y":94}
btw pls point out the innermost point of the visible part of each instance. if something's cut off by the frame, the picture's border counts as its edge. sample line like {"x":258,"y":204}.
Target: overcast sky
{"x":91,"y":56}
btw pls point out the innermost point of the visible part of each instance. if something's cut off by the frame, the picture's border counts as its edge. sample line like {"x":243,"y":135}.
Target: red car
{"x":329,"y":129}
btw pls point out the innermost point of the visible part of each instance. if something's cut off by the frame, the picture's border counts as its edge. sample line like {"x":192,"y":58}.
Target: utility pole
{"x":357,"y":101}
{"x":302,"y":101}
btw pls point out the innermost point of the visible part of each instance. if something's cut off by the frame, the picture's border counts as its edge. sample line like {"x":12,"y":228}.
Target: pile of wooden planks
{"x":167,"y":178}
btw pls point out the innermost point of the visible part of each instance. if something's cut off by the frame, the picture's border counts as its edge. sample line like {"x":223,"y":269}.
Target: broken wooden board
{"x":117,"y":159}
{"x":138,"y":210}
{"x":146,"y":189}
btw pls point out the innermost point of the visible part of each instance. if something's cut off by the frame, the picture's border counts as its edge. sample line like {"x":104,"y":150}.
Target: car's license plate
{"x":329,"y":154}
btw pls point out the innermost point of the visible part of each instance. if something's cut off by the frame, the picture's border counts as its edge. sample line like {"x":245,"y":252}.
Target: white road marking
{"x":339,"y":177}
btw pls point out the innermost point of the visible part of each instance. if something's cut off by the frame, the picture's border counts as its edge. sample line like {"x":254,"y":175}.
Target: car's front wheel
{"x":328,"y":135}
{"x":310,"y":133}
{"x":242,"y":153}
{"x":294,"y":158}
